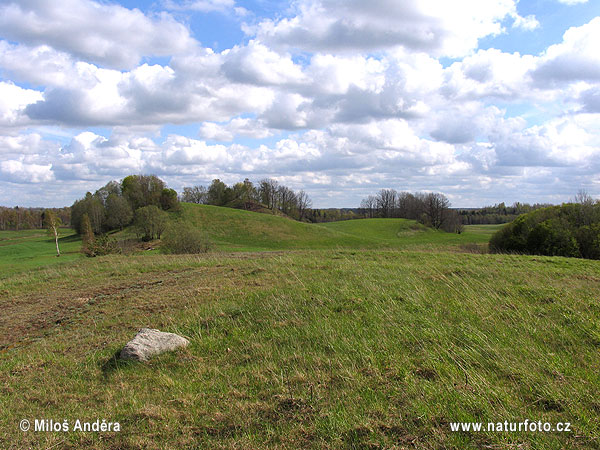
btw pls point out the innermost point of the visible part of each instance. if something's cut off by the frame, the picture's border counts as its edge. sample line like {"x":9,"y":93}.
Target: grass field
{"x":27,"y":249}
{"x":375,"y":334}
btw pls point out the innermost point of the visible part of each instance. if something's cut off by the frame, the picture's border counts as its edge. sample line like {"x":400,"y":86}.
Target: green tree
{"x":217,"y":193}
{"x":52,"y":223}
{"x":87,"y":236}
{"x":118,"y":212}
{"x":142,"y":190}
{"x":150,"y":221}
{"x":168,"y":199}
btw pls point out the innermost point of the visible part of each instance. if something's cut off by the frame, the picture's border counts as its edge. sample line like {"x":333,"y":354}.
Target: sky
{"x":486,"y":101}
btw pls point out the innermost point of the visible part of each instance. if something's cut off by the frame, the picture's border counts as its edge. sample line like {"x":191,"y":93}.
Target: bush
{"x":567,"y":230}
{"x":100,"y":246}
{"x":183,"y":238}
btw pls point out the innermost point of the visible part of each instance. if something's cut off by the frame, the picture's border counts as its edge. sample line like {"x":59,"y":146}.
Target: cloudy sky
{"x":483,"y":100}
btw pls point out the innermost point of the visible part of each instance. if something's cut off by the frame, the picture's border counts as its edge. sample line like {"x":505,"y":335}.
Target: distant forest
{"x":19,"y":218}
{"x":113,"y":206}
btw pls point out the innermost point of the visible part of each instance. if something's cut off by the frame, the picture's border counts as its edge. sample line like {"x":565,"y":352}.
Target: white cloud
{"x":13,"y":101}
{"x":18,"y":172}
{"x":436,"y":26}
{"x":256,"y":64}
{"x":237,"y":127}
{"x":106,"y":34}
{"x":576,"y":58}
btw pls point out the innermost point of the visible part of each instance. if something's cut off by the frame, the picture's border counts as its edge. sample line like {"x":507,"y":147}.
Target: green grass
{"x":378,"y":336}
{"x":238,"y":230}
{"x":27,"y":249}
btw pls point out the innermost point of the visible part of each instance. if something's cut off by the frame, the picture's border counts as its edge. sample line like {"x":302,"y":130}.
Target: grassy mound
{"x":233,"y":229}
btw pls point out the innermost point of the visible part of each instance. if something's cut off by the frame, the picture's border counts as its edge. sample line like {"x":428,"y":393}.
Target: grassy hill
{"x":369,"y":334}
{"x":235,"y":230}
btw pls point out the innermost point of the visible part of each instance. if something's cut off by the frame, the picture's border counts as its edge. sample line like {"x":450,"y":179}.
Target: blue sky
{"x":487,"y":101}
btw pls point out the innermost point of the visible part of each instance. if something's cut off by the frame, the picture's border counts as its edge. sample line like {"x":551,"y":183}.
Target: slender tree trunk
{"x":56,"y":240}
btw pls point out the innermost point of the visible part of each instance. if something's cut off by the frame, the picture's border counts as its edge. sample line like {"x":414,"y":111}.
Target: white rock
{"x":149,"y":342}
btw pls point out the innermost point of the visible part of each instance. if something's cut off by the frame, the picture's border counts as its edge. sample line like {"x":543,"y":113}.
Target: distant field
{"x":27,"y":249}
{"x":354,"y":335}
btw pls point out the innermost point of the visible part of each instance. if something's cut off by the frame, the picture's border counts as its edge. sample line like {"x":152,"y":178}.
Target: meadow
{"x":360,"y":335}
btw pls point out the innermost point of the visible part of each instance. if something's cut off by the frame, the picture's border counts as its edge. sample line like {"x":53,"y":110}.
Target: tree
{"x":368,"y":206}
{"x":52,"y":223}
{"x":142,"y":190}
{"x":93,"y":207}
{"x":150,"y":221}
{"x":304,"y":203}
{"x":118,"y":212}
{"x":267,"y":193}
{"x":386,"y":202}
{"x":87,"y":236}
{"x":583,"y":198}
{"x":217,"y":193}
{"x":436,"y":210}
{"x":286,"y":200}
{"x":168,"y":199}
{"x":195,"y":194}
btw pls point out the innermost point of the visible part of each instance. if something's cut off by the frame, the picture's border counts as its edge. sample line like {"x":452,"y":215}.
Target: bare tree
{"x":436,"y":209}
{"x":304,"y":203}
{"x":582,"y":197}
{"x":267,"y":193}
{"x":195,"y":194}
{"x":386,"y":202}
{"x":369,"y":206}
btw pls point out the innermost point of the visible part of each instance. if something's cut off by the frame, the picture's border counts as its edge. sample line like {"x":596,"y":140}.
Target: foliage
{"x":572,"y":229}
{"x":92,"y":206}
{"x":118,"y":212}
{"x":182,"y":237}
{"x":102,"y":245}
{"x":150,"y":222}
{"x":112,"y":206}
{"x":87,"y":236}
{"x":19,"y":218}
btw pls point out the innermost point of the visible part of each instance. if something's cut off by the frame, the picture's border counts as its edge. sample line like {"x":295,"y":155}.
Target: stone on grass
{"x":149,"y":342}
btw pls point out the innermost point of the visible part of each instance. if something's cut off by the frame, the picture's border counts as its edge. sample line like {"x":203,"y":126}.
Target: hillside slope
{"x":233,"y":229}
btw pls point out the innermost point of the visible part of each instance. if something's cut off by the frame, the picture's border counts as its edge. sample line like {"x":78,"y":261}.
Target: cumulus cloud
{"x":13,"y":102}
{"x":18,"y":172}
{"x":245,"y":127}
{"x":435,"y":26}
{"x":107,"y":34}
{"x":575,"y":59}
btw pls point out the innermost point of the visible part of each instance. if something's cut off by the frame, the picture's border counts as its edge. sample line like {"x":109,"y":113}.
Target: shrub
{"x":184,"y":238}
{"x":567,"y":230}
{"x":100,"y":246}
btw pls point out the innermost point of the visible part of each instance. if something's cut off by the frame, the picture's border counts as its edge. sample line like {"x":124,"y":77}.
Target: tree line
{"x":571,"y":229}
{"x":496,"y":214}
{"x":267,"y":193}
{"x":431,"y":209}
{"x":19,"y":218}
